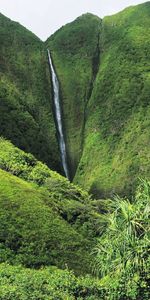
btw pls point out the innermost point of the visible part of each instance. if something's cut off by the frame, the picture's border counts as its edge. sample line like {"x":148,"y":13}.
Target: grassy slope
{"x":75,"y":55}
{"x":32,"y":232}
{"x":121,"y":255}
{"x":25,"y":94}
{"x":117,"y":129}
{"x":44,"y":219}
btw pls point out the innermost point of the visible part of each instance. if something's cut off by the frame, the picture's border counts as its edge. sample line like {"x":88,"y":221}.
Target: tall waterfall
{"x":58,"y":116}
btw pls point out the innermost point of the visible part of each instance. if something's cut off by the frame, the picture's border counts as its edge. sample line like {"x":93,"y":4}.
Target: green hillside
{"x":75,"y":51}
{"x":48,"y":223}
{"x":25,"y":94}
{"x":89,"y":238}
{"x":103,"y":67}
{"x":44,"y":219}
{"x":117,"y":128}
{"x":32,"y":233}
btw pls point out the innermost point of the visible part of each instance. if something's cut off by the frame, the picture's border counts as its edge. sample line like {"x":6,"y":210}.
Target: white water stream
{"x":58,"y":116}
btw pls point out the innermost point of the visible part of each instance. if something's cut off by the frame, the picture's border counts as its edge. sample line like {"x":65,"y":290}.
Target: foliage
{"x":107,"y":105}
{"x":70,"y":201}
{"x":122,"y":253}
{"x":45,"y":284}
{"x":121,"y":258}
{"x":74,"y":51}
{"x":25,"y":93}
{"x":44,"y":219}
{"x":32,"y":232}
{"x":103,"y":69}
{"x":76,"y":214}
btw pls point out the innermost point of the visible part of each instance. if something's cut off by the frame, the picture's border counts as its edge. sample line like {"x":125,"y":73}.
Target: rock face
{"x":104,"y":76}
{"x":103,"y":68}
{"x":75,"y":51}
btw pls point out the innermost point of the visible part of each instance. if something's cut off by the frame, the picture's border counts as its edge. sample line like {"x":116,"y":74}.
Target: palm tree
{"x":122,"y":250}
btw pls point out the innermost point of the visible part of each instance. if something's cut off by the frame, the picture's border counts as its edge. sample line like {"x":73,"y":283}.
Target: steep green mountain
{"x":103,"y":69}
{"x":75,"y":51}
{"x":117,"y":128}
{"x":53,"y":233}
{"x":25,"y":95}
{"x":107,"y":119}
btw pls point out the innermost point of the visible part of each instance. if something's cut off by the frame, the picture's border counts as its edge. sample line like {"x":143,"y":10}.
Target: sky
{"x":44,"y":17}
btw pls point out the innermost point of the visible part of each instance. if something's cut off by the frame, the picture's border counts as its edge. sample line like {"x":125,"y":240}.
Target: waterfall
{"x":58,"y":116}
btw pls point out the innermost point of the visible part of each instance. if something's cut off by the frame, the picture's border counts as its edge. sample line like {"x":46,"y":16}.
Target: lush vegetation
{"x":33,"y":234}
{"x":56,"y":241}
{"x":117,"y":127}
{"x":32,"y":231}
{"x":103,"y":67}
{"x":25,"y":94}
{"x":122,"y":253}
{"x":75,"y":51}
{"x":46,"y":284}
{"x":46,"y":221}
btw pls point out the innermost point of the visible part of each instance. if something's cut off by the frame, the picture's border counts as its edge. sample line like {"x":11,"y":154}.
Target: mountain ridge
{"x":84,"y":47}
{"x":76,"y":240}
{"x":123,"y":45}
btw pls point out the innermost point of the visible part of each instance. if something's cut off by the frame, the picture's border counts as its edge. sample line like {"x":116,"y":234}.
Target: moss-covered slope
{"x":44,"y":219}
{"x":106,"y":119}
{"x":103,"y":68}
{"x":116,"y":149}
{"x":32,"y":232}
{"x":121,"y":254}
{"x":75,"y":51}
{"x":25,"y":94}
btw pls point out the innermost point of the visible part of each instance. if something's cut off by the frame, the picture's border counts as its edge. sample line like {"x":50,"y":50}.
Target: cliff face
{"x":116,"y":134}
{"x":75,"y":52}
{"x":46,"y":222}
{"x":103,"y":68}
{"x":104,"y":75}
{"x":25,"y":94}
